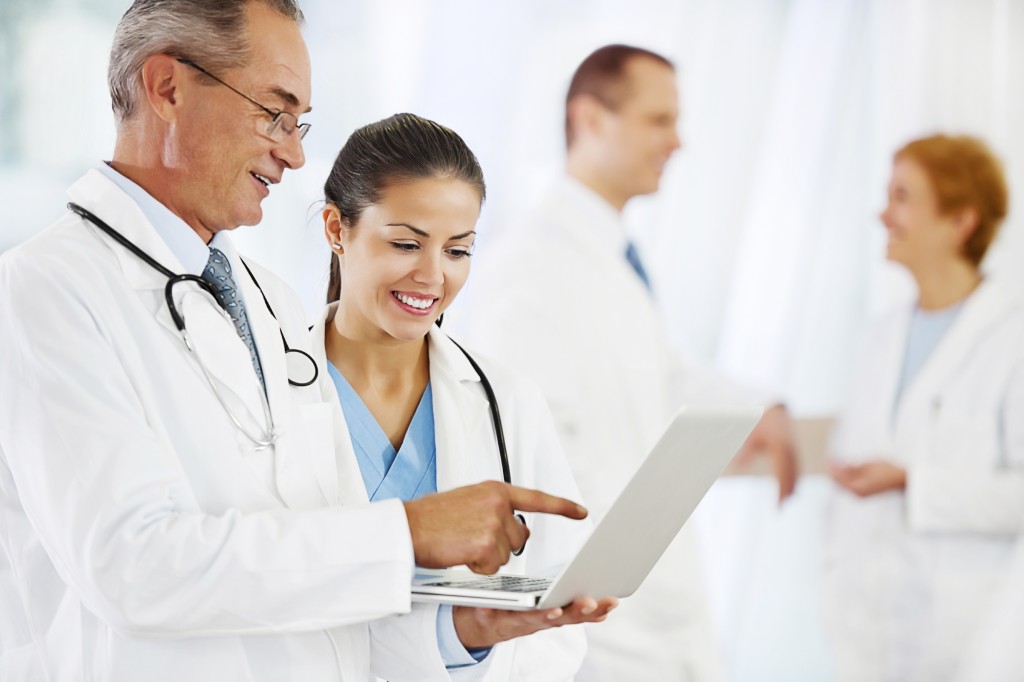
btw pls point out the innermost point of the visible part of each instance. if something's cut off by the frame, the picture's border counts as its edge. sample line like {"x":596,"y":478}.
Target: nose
{"x":429,"y":269}
{"x":289,"y":151}
{"x":884,"y":216}
{"x":675,"y":142}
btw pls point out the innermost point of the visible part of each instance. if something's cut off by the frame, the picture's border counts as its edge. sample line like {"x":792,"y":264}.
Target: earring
{"x":336,"y":246}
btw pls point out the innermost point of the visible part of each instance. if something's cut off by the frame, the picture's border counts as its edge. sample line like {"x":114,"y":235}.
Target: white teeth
{"x":262,"y":179}
{"x":420,"y":303}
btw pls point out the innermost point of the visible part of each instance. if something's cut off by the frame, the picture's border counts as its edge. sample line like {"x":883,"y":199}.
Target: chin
{"x":894,"y":256}
{"x":408,"y":331}
{"x":251,"y":217}
{"x":649,"y":187}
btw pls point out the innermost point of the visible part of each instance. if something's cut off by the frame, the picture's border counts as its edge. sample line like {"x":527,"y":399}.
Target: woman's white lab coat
{"x":467,"y":453}
{"x":908,"y":573}
{"x":559,"y":300}
{"x":996,"y":654}
{"x":146,"y":537}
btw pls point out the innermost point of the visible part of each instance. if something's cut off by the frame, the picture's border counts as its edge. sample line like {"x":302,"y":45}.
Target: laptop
{"x":624,"y":546}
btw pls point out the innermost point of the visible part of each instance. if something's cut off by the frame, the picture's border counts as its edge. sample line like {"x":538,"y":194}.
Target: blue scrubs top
{"x":927,"y":329}
{"x":407,"y":473}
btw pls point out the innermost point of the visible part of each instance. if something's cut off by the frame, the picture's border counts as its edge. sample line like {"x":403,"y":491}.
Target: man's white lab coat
{"x":558,"y":299}
{"x":147,"y":538}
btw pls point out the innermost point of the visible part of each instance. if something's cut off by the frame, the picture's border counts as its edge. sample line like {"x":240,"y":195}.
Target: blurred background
{"x":763,"y":244}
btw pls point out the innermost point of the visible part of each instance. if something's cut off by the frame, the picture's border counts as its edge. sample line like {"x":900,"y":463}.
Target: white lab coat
{"x":467,"y":453}
{"x":907,"y":575}
{"x":145,"y":536}
{"x":558,"y":299}
{"x":996,"y":654}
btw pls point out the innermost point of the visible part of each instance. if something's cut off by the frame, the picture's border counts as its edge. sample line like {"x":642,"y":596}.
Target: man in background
{"x":568,"y":300}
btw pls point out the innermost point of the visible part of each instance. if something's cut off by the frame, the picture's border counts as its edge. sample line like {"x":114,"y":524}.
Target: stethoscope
{"x":301,"y":367}
{"x":499,"y":432}
{"x":299,"y":363}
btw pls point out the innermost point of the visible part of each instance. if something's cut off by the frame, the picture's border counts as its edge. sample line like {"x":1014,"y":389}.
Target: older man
{"x":170,"y":500}
{"x":585,"y":324}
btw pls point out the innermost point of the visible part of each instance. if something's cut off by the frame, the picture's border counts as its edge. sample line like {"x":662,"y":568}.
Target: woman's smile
{"x":414,"y":304}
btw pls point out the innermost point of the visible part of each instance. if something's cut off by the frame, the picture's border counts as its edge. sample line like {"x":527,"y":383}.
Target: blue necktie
{"x":218,"y":273}
{"x":633,"y":256}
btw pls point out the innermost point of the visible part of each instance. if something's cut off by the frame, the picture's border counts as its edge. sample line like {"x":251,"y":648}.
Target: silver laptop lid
{"x":654,"y":505}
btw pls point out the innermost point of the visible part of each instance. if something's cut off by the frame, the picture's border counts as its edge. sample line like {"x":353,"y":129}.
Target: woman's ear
{"x":333,"y":226}
{"x":966,"y":223}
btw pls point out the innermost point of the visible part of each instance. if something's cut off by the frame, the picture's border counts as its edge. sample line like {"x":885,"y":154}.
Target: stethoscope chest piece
{"x":302,"y":369}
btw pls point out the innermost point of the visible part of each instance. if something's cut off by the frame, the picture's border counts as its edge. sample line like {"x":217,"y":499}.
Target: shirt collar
{"x":181,"y":239}
{"x":591,"y":210}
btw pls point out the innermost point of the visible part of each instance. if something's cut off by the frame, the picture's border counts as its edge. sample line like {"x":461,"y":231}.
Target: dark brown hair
{"x":402,"y":147}
{"x":602,"y":75}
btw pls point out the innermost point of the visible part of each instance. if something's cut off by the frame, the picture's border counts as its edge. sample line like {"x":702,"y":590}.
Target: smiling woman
{"x":930,"y":477}
{"x":402,"y":203}
{"x":406,"y":258}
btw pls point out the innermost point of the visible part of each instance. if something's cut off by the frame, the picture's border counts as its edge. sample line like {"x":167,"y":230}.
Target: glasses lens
{"x":284,"y":124}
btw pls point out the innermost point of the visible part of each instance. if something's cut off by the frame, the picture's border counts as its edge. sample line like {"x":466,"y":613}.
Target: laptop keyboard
{"x":498,"y":583}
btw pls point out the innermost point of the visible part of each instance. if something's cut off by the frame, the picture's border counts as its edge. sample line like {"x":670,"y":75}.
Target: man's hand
{"x":773,"y":436}
{"x":478,"y":628}
{"x":869,"y":478}
{"x":475,"y":525}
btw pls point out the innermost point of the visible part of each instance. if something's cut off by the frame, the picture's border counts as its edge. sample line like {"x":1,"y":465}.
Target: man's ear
{"x":587,"y":114}
{"x":161,"y":84}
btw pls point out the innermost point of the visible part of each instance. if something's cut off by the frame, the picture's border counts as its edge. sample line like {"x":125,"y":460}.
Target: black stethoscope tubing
{"x":174,"y":278}
{"x":492,"y":401}
{"x":499,"y":432}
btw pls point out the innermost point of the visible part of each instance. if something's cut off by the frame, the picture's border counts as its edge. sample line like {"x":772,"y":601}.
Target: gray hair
{"x":209,"y":32}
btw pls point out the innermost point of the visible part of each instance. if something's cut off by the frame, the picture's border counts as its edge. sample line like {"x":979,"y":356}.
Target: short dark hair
{"x":402,"y":147}
{"x":602,"y":75}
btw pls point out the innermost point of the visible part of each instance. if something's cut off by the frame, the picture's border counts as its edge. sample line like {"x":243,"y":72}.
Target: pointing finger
{"x":525,"y":499}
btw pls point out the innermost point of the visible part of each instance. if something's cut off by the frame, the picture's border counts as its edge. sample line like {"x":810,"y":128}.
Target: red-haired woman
{"x":929,"y":454}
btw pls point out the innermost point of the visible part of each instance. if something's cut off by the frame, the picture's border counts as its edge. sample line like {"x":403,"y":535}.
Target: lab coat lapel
{"x":304,"y":479}
{"x":982,"y":309}
{"x":341,"y":475}
{"x":267,"y":332}
{"x":892,"y":352}
{"x":222,"y":352}
{"x":212,"y":332}
{"x":107,"y":201}
{"x":460,"y":407}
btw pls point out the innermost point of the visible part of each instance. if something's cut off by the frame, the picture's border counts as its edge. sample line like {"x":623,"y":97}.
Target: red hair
{"x":964,"y":175}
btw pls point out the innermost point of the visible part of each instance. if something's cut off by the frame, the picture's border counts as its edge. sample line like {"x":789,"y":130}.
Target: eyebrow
{"x":287,"y":98}
{"x":421,"y":233}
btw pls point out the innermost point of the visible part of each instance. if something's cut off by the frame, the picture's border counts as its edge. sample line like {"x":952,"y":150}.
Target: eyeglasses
{"x":282,"y":123}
